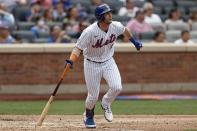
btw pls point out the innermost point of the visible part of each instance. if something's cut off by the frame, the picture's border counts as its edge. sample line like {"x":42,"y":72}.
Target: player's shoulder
{"x":116,"y":23}
{"x":90,"y":28}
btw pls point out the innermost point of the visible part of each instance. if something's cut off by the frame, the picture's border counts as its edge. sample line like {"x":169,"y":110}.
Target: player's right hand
{"x":70,"y":62}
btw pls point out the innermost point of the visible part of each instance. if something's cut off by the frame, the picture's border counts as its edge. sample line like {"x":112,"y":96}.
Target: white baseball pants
{"x":93,"y":74}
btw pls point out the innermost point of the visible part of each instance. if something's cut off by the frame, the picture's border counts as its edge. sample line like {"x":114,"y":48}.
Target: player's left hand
{"x":70,"y":62}
{"x":138,"y":45}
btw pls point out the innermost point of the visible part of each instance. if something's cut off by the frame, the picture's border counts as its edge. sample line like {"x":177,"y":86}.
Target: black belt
{"x":96,"y":61}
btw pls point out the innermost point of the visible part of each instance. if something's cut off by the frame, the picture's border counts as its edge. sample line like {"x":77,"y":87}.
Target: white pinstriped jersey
{"x":97,"y":45}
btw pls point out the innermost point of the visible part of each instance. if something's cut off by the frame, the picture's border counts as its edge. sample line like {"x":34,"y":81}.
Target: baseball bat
{"x":47,"y":106}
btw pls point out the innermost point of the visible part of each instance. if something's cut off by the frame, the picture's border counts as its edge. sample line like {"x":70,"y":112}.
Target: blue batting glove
{"x":137,"y":44}
{"x":70,"y":62}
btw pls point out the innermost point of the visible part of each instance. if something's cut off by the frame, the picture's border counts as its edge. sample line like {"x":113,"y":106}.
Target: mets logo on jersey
{"x":99,"y":42}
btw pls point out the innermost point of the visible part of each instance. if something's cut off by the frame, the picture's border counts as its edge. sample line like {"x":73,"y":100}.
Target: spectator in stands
{"x":48,"y":14}
{"x":138,"y":24}
{"x":11,"y":4}
{"x":72,"y":17}
{"x":82,"y":25}
{"x":18,"y":38}
{"x":96,"y":2}
{"x":159,"y":37}
{"x":174,"y":17}
{"x":58,"y":36}
{"x":185,"y":38}
{"x":66,"y":3}
{"x":66,"y":25}
{"x":39,"y":27}
{"x":150,"y":17}
{"x":44,"y":3}
{"x":5,"y":16}
{"x":5,"y":37}
{"x":58,"y":12}
{"x":130,"y":9}
{"x":193,"y":18}
{"x":34,"y":11}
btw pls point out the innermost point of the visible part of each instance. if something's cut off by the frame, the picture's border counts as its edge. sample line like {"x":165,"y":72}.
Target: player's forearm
{"x":75,"y":54}
{"x":128,"y":33}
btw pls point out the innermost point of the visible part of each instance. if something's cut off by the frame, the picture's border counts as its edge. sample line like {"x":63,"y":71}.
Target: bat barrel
{"x":45,"y":111}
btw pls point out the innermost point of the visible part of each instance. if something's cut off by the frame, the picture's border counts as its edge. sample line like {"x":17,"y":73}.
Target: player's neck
{"x":103,"y":26}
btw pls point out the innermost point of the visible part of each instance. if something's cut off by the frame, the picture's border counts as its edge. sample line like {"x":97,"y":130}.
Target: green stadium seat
{"x":158,"y":27}
{"x":20,"y":13}
{"x":40,"y":40}
{"x":194,"y":26}
{"x":25,"y":35}
{"x":163,"y":3}
{"x":147,"y":36}
{"x":193,"y":34}
{"x":173,"y":35}
{"x":25,"y":25}
{"x":54,"y":23}
{"x":178,"y":26}
{"x":43,"y":34}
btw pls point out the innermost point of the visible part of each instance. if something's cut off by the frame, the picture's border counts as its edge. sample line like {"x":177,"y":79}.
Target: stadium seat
{"x":11,"y":28}
{"x":193,"y":34}
{"x":194,"y":26}
{"x":194,"y":40}
{"x":134,"y":35}
{"x":43,"y":34}
{"x":163,"y":3}
{"x":54,"y":23}
{"x":147,"y":36}
{"x":25,"y":35}
{"x":121,"y":18}
{"x":164,"y":17}
{"x":139,"y":3}
{"x":84,"y":3}
{"x":158,"y":27}
{"x":173,"y":35}
{"x":178,"y":26}
{"x":186,"y":3}
{"x":158,"y":10}
{"x":20,"y":13}
{"x":72,"y":34}
{"x":25,"y":25}
{"x":115,"y":5}
{"x":185,"y":17}
{"x":91,"y":18}
{"x":168,"y":9}
{"x":91,"y":9}
{"x":40,"y":40}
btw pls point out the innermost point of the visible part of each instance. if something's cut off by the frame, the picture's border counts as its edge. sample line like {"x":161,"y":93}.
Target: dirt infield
{"x":120,"y":123}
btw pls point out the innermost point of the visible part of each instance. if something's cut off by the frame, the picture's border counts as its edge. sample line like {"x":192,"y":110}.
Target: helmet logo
{"x":106,"y":6}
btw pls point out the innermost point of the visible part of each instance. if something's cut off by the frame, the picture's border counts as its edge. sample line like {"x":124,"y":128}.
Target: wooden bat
{"x":47,"y":107}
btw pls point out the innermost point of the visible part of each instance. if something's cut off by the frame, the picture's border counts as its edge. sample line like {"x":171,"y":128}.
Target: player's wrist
{"x":132,"y":39}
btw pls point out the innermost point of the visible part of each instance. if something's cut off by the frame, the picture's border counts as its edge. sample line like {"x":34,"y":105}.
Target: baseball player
{"x":97,"y":42}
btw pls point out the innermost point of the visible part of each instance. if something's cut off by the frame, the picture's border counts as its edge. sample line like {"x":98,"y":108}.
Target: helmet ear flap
{"x":102,"y":18}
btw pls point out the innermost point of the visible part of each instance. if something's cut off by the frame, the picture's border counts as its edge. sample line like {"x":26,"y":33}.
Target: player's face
{"x":108,"y":17}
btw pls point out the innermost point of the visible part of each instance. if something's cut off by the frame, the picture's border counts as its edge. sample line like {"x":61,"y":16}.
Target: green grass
{"x":187,"y":107}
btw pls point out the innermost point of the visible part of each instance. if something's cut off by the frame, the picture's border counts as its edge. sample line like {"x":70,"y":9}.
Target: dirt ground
{"x":120,"y":123}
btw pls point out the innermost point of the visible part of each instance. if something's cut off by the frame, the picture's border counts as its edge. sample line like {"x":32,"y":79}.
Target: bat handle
{"x":45,"y":111}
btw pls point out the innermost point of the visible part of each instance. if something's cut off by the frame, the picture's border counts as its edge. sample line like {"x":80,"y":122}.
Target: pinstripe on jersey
{"x":91,"y":36}
{"x":93,"y":74}
{"x":97,"y":46}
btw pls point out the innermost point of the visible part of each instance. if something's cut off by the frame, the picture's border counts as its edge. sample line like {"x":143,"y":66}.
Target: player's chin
{"x":109,"y":22}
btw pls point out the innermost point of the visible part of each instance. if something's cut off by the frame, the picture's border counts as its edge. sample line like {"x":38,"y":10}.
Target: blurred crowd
{"x":62,"y":21}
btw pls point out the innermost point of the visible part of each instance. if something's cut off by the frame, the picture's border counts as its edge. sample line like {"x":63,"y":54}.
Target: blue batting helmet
{"x":100,"y":10}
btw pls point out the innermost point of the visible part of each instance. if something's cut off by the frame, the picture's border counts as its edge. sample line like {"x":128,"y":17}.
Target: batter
{"x":97,"y":44}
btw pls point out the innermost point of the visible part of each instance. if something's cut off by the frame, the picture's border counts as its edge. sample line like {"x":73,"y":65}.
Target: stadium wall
{"x":36,"y":68}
